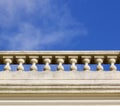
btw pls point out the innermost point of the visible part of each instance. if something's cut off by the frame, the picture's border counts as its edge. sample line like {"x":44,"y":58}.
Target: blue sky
{"x":59,"y":24}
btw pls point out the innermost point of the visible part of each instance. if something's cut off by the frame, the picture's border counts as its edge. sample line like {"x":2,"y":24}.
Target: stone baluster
{"x":99,"y":61}
{"x":60,"y":61}
{"x":112,"y":61}
{"x":86,"y":61}
{"x":73,"y":61}
{"x":47,"y":61}
{"x":33,"y":61}
{"x":21,"y":61}
{"x":7,"y":60}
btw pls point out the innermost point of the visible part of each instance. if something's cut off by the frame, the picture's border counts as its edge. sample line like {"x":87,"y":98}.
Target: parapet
{"x":40,"y":80}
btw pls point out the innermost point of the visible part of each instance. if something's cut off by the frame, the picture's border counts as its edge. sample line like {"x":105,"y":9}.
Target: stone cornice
{"x":60,"y":82}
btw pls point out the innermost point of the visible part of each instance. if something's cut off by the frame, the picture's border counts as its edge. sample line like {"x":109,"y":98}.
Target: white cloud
{"x":37,"y":24}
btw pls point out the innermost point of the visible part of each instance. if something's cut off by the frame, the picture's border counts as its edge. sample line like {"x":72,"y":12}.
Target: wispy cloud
{"x":37,"y":24}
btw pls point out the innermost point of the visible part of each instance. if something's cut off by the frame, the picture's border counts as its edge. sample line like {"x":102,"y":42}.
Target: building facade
{"x":55,"y":78}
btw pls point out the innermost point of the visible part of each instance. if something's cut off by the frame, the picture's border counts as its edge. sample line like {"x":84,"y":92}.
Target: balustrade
{"x":60,"y":59}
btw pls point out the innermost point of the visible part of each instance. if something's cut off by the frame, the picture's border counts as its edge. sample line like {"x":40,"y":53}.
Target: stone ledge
{"x":60,"y":82}
{"x":59,"y":75}
{"x":60,"y":102}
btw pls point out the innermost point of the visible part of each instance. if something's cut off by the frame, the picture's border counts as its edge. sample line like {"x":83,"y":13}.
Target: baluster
{"x":73,"y":61}
{"x":33,"y":66}
{"x":47,"y":61}
{"x":20,"y":61}
{"x":99,"y":61}
{"x":33,"y":61}
{"x":112,"y":61}
{"x":86,"y":61}
{"x":7,"y":61}
{"x":60,"y":61}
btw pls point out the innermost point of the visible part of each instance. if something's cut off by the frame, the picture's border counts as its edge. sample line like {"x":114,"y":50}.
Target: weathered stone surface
{"x":72,"y":87}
